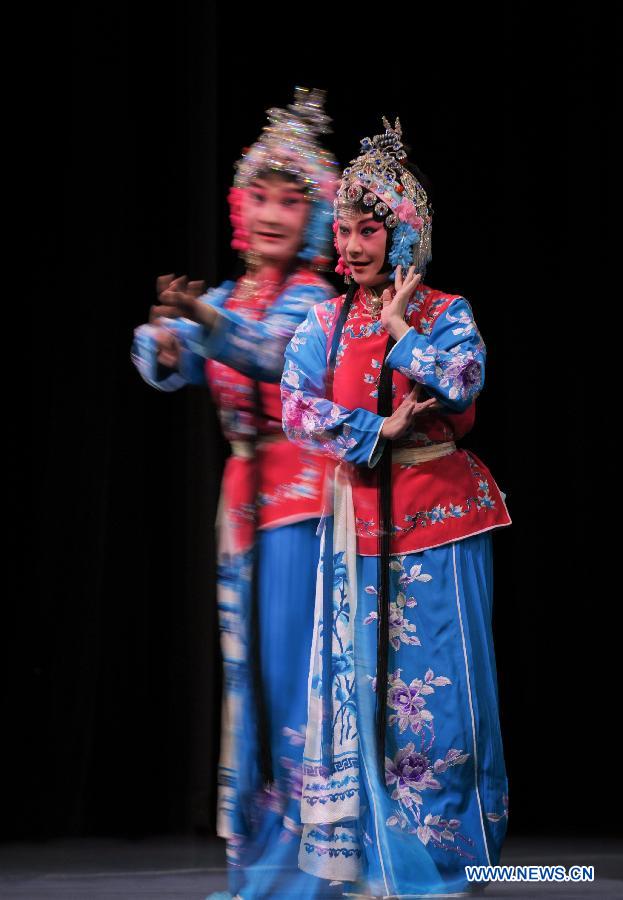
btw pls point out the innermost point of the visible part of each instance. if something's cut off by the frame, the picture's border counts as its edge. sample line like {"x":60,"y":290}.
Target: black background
{"x":132,"y":124}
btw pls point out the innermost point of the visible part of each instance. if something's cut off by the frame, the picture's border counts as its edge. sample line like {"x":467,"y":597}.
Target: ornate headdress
{"x":289,"y":144}
{"x":378,"y":178}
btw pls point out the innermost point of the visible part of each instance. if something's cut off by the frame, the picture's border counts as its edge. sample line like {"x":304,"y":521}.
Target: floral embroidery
{"x":331,"y":780}
{"x":359,"y":325}
{"x":299,"y":338}
{"x":339,"y":786}
{"x":424,"y":322}
{"x":325,"y":313}
{"x":412,"y":772}
{"x":306,"y":418}
{"x":400,"y":629}
{"x":305,"y":485}
{"x":458,"y":372}
{"x":409,"y":703}
{"x":342,"y":663}
{"x":466,"y":323}
{"x":356,"y":327}
{"x":370,"y":378}
{"x":439,"y":513}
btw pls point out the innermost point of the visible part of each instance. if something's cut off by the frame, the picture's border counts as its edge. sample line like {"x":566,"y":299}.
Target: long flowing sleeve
{"x":191,"y":368}
{"x":256,"y":348}
{"x":450,"y":361}
{"x":312,"y":420}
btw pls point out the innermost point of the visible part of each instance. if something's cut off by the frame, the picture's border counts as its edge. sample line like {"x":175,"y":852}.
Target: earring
{"x":342,"y":269}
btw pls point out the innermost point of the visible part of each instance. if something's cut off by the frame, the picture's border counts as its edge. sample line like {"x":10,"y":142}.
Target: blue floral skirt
{"x":441,"y":802}
{"x":263,"y":828}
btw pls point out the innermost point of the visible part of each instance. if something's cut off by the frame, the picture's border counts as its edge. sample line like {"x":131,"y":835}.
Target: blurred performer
{"x":235,"y":336}
{"x":404,"y":773}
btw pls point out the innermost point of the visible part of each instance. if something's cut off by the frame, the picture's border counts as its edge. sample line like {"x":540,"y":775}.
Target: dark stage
{"x":112,"y":694}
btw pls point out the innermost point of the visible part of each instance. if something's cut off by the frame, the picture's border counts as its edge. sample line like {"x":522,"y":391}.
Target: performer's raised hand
{"x":178,"y":297}
{"x":164,"y":283}
{"x":394,"y":308}
{"x":401,"y":420}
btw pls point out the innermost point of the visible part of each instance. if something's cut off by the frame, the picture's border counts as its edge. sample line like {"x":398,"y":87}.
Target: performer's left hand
{"x":180,"y":299}
{"x":393,"y":312}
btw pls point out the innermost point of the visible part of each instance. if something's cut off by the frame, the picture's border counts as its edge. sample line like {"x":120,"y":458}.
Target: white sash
{"x":333,"y":797}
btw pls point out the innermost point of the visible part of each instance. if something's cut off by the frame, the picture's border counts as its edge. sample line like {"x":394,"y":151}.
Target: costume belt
{"x":414,"y":455}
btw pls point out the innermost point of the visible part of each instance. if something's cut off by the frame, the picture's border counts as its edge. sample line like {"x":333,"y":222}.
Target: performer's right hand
{"x":168,"y":348}
{"x":401,"y":420}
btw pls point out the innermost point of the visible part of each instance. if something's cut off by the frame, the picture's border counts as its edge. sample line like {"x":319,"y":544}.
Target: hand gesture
{"x":402,"y":418}
{"x":168,"y":353}
{"x":393,"y":312}
{"x":177,"y":297}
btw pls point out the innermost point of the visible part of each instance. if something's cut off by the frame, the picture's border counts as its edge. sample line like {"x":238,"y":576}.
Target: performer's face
{"x":276,"y":213}
{"x":362,"y":241}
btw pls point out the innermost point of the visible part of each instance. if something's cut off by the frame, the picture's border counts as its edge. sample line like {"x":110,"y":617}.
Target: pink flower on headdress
{"x":240,"y":240}
{"x":406,"y":213}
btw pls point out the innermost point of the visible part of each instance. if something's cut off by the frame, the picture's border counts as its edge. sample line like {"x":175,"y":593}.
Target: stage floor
{"x":173,"y":868}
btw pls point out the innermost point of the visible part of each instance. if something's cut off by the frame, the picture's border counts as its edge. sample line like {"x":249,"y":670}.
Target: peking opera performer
{"x":233,"y":337}
{"x":404,"y":780}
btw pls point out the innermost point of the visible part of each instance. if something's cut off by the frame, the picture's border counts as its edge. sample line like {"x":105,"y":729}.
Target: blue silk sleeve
{"x":256,"y":348}
{"x":312,"y":420}
{"x":450,"y":362}
{"x":191,"y":369}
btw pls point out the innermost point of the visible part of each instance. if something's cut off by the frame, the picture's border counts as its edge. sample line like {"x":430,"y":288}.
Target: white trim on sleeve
{"x":374,"y":455}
